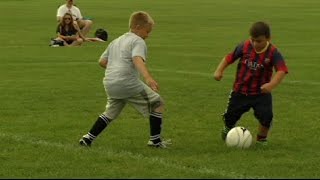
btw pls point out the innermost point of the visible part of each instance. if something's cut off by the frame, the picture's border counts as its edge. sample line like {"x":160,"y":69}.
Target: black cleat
{"x":84,"y":141}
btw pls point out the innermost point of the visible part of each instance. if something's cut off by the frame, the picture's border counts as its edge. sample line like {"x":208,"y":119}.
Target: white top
{"x":122,"y":79}
{"x":75,"y":11}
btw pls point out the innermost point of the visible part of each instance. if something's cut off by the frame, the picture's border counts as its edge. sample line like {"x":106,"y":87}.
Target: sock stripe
{"x":155,"y":114}
{"x":155,"y":137}
{"x":104,"y":118}
{"x":91,"y":136}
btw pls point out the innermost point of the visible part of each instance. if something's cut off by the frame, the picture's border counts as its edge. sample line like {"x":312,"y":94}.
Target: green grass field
{"x":50,"y":97}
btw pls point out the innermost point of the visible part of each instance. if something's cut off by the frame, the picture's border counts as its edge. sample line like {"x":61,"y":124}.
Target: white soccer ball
{"x":239,"y":137}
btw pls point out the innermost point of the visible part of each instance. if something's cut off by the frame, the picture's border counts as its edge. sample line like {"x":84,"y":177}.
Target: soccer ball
{"x":239,"y":137}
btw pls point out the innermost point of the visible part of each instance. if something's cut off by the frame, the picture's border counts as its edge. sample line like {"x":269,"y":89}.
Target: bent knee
{"x":89,"y":22}
{"x":158,"y":106}
{"x":79,"y":40}
{"x":86,"y":23}
{"x":264,"y":117}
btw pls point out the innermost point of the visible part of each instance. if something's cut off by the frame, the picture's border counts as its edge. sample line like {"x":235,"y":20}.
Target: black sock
{"x":155,"y":126}
{"x":101,"y":123}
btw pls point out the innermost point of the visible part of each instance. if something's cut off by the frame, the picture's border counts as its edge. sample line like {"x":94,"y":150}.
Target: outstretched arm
{"x":140,"y":65}
{"x":218,"y":74}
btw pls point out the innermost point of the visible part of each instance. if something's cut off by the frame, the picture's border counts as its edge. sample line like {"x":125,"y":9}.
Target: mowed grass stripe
{"x":228,"y":76}
{"x":125,"y":154}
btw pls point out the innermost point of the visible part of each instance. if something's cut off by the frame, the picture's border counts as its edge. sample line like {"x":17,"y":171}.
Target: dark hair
{"x":102,"y":34}
{"x":260,"y":29}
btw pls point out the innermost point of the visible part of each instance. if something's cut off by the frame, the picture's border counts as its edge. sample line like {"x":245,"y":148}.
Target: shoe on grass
{"x":161,"y":144}
{"x":85,"y":141}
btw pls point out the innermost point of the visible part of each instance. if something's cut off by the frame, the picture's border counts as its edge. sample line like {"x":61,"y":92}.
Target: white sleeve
{"x":60,"y":11}
{"x":78,"y":13}
{"x":139,"y":49}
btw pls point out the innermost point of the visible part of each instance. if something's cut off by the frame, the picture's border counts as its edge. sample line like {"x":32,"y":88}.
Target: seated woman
{"x":68,"y":32}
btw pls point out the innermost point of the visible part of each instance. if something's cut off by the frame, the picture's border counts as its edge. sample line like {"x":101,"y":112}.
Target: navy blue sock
{"x":155,"y":127}
{"x":101,"y":123}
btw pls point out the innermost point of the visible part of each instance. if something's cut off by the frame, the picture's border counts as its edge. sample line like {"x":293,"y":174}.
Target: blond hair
{"x":140,"y":18}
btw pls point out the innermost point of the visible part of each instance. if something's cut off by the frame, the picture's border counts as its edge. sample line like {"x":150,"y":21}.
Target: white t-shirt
{"x":122,"y":79}
{"x":75,"y":11}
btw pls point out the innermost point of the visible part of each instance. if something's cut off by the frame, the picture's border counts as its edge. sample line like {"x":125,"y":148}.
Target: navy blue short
{"x":239,"y":104}
{"x":69,"y":42}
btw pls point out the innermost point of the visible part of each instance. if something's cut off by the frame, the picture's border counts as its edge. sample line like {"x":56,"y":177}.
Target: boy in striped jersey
{"x":124,"y":60}
{"x":254,"y":82}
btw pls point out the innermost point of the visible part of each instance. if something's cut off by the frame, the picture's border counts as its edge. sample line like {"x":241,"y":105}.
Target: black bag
{"x":102,"y":34}
{"x":55,"y":42}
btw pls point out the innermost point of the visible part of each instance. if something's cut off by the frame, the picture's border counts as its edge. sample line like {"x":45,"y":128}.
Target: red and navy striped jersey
{"x":254,"y":69}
